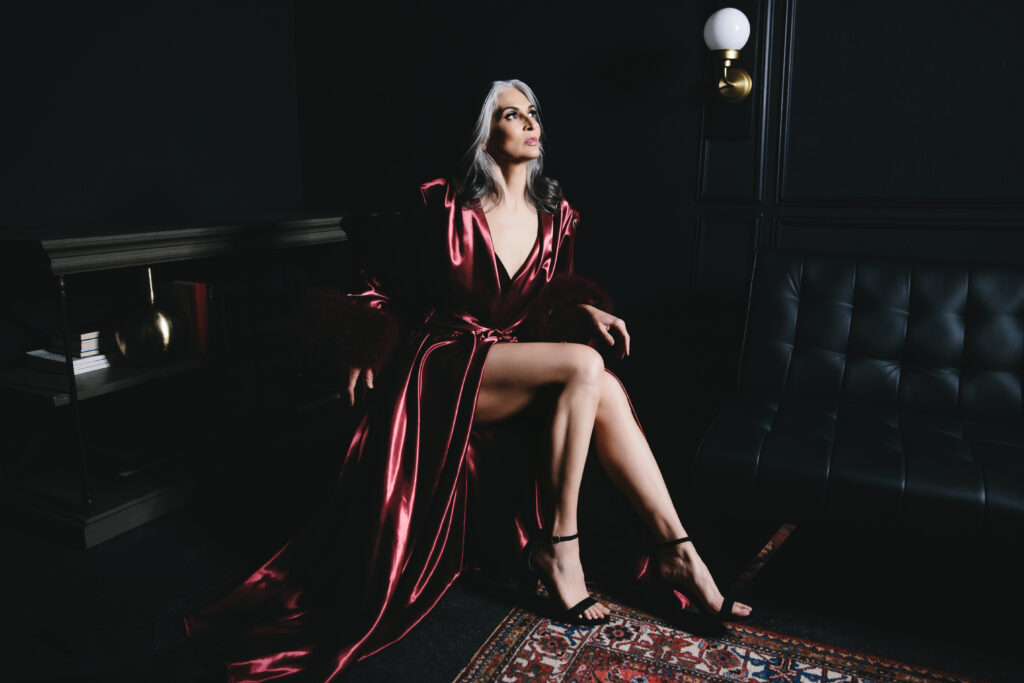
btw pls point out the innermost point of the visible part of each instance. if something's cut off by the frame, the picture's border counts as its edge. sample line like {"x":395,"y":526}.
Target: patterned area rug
{"x":635,"y":647}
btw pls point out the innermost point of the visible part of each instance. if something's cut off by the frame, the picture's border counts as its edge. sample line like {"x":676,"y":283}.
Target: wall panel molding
{"x":824,"y":214}
{"x":973,"y":158}
{"x":994,"y":241}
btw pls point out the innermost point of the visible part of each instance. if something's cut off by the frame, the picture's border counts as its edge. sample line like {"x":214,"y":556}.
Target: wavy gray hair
{"x":480,"y":175}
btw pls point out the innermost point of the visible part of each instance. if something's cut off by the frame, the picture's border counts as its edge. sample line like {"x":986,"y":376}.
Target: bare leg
{"x":513,"y":375}
{"x":629,"y":462}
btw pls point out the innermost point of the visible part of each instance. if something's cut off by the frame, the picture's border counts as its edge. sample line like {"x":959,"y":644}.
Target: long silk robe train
{"x":391,"y":539}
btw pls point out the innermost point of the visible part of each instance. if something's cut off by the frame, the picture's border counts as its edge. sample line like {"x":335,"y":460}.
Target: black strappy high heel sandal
{"x":667,"y":598}
{"x":528,"y":586}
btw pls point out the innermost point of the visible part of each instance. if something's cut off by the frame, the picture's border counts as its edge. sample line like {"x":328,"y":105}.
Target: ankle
{"x":675,"y":545}
{"x":679,"y":555}
{"x":560,"y":525}
{"x":553,"y":544}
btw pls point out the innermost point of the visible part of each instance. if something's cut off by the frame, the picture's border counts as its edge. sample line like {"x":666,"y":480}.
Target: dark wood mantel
{"x":66,"y":251}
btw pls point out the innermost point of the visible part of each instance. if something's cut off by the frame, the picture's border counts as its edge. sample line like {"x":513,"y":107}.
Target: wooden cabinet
{"x":106,"y":451}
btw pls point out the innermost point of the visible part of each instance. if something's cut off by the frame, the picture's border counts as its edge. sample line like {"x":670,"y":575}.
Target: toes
{"x":741,"y":610}
{"x":598,"y":611}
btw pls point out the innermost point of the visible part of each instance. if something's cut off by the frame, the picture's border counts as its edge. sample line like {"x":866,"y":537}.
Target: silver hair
{"x":481,"y":174}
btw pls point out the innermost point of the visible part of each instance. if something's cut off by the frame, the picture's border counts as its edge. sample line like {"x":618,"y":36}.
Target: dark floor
{"x":113,"y":613}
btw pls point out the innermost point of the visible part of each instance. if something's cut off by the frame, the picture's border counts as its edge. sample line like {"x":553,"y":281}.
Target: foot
{"x":681,"y":566}
{"x":560,"y":562}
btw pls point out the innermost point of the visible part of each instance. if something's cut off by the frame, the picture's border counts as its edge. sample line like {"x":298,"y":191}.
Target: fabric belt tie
{"x":440,"y":329}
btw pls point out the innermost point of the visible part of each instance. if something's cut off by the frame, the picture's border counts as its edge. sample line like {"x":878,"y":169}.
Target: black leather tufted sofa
{"x":876,"y":391}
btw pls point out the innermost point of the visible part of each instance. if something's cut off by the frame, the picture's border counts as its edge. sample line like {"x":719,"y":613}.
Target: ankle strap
{"x":559,"y":539}
{"x":674,"y":542}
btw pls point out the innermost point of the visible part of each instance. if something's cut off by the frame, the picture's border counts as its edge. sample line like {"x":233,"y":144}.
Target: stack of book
{"x":86,"y":354}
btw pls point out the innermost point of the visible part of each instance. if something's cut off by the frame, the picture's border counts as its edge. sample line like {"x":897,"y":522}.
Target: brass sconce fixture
{"x":725,"y":33}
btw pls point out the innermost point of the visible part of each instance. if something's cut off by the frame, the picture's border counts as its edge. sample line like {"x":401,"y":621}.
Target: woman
{"x":488,"y":279}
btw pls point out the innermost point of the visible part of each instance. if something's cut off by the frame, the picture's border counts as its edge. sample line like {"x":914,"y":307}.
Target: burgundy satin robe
{"x":391,"y":539}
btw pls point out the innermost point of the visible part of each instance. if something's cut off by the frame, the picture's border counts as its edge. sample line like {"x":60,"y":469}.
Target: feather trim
{"x":555,"y":314}
{"x":344,"y":328}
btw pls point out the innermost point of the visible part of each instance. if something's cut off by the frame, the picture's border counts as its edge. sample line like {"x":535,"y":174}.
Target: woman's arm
{"x":358,"y":331}
{"x":355,"y":331}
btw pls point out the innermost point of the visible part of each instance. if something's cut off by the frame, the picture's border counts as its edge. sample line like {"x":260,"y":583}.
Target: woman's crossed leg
{"x":513,"y":376}
{"x":591,"y":403}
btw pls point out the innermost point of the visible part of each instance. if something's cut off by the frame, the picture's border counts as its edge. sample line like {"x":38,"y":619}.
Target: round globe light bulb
{"x":726,"y":29}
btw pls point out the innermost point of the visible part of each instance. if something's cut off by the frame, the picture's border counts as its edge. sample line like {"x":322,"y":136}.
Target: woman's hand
{"x":353,"y":379}
{"x":606,"y":323}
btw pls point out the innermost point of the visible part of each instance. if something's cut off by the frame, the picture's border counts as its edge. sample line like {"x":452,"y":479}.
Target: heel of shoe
{"x":676,"y":604}
{"x":528,"y":577}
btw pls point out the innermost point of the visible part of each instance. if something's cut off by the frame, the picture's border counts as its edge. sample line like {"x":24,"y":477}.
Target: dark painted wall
{"x":389,"y":95}
{"x":142,"y":112}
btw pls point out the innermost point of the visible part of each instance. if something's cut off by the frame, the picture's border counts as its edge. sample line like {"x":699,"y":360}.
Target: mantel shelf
{"x":88,"y":250}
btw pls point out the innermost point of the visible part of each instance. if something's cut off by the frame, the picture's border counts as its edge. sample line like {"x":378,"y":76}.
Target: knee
{"x":586,"y":366}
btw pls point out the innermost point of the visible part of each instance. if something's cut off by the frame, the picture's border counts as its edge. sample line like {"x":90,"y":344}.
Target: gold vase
{"x":149,"y":334}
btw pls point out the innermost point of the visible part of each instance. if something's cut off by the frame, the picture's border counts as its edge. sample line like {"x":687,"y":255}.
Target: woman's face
{"x":515,"y":130}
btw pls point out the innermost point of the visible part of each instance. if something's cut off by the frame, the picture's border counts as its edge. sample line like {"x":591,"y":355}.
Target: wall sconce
{"x":725,"y":33}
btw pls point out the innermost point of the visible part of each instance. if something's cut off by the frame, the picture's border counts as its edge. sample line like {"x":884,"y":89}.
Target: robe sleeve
{"x":361,"y":327}
{"x":357,"y":329}
{"x":555,"y":314}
